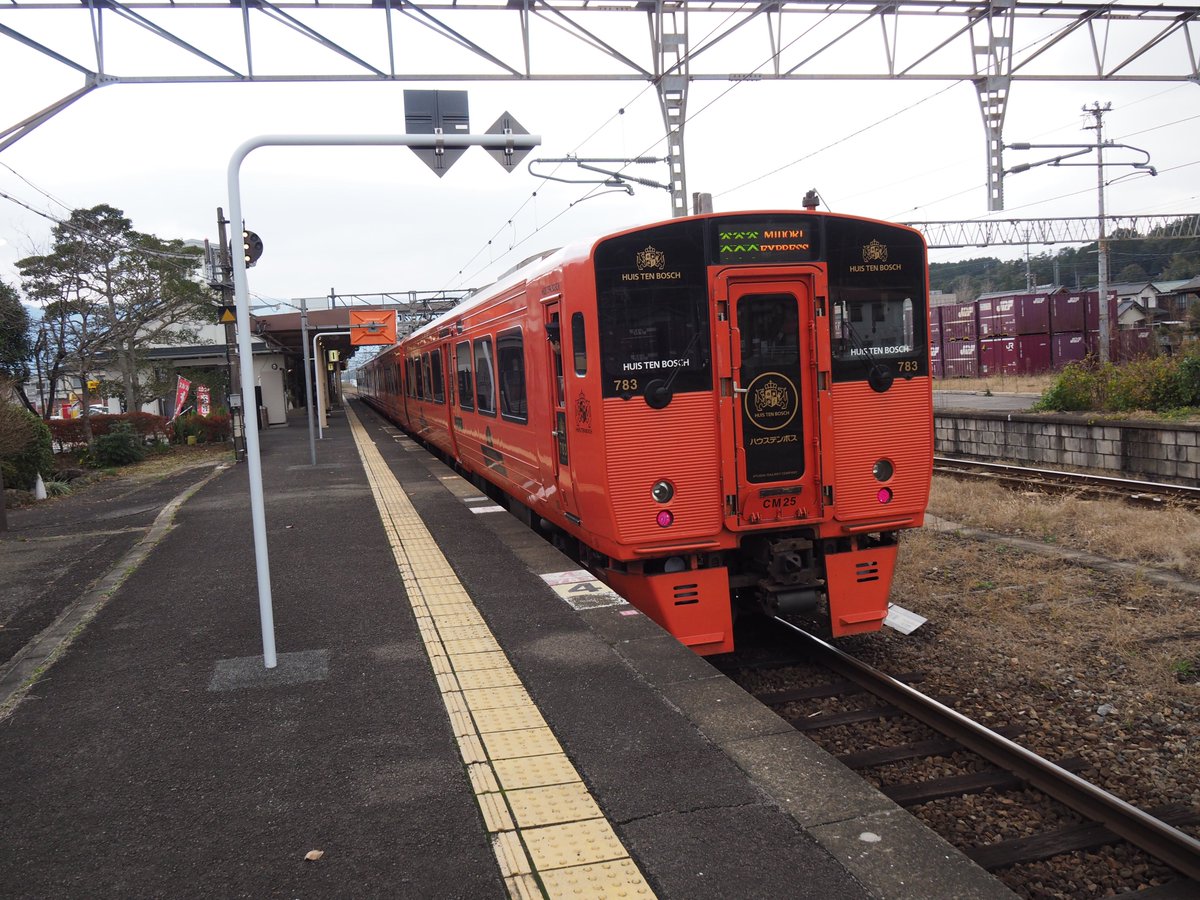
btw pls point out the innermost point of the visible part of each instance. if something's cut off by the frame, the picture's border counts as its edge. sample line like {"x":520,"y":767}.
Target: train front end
{"x":767,"y":417}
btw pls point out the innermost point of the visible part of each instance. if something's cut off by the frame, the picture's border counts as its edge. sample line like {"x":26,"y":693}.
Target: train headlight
{"x":663,"y":491}
{"x":883,"y":470}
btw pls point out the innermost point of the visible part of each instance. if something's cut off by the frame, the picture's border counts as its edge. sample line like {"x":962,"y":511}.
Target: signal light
{"x":884,"y":495}
{"x":252,"y":247}
{"x":665,"y":518}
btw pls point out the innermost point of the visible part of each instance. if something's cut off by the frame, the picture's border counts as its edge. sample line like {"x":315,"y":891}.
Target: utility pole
{"x":231,"y":358}
{"x":1097,"y":112}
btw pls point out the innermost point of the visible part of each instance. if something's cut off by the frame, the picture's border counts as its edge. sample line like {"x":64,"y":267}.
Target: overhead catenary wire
{"x":117,"y":245}
{"x":617,"y":116}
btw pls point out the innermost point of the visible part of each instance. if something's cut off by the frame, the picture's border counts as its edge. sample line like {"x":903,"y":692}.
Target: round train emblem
{"x":771,"y":401}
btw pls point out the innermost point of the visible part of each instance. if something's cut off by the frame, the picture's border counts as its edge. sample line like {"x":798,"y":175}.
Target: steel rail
{"x":1181,"y":491}
{"x":1164,"y":842}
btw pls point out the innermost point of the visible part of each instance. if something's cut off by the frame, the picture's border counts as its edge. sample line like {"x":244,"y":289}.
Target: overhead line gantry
{"x":991,"y":44}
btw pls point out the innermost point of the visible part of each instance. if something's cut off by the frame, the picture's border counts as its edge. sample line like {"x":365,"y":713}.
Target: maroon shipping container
{"x":1066,"y":313}
{"x":985,"y":311}
{"x":1033,"y":354}
{"x":1031,"y":314}
{"x":1091,"y":312}
{"x":1067,"y":348}
{"x":960,"y":359}
{"x":998,"y":356}
{"x":935,"y":324}
{"x":935,"y":360}
{"x":1134,"y":343}
{"x":959,"y":322}
{"x":996,"y":317}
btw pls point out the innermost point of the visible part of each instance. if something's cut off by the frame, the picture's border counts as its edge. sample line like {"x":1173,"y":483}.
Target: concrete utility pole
{"x":1097,"y":112}
{"x":237,"y":423}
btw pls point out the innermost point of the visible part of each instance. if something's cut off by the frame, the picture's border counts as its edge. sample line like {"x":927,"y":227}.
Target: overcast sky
{"x":374,"y":220}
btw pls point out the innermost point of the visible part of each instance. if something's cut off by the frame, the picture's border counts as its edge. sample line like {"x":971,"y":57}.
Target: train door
{"x":774,"y":403}
{"x":561,"y":452}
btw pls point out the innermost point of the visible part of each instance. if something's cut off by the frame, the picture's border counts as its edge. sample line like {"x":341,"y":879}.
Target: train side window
{"x":510,"y":363}
{"x":437,"y":388}
{"x":466,"y":388}
{"x":485,"y":381}
{"x":579,"y":343}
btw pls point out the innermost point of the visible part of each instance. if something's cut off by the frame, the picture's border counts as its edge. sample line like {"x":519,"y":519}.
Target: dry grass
{"x":998,"y":384}
{"x":1167,"y":538}
{"x":1005,"y":609}
{"x":179,"y":457}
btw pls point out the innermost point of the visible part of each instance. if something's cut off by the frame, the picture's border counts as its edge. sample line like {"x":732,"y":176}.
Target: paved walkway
{"x":440,"y":724}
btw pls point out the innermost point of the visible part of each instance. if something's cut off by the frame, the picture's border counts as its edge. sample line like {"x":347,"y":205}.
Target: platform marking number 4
{"x":583,"y":592}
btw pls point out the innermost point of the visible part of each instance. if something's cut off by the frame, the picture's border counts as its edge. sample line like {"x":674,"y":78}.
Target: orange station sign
{"x":372,"y":327}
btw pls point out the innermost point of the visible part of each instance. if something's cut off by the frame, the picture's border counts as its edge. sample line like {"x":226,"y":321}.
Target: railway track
{"x":1050,"y":480}
{"x":862,"y":696}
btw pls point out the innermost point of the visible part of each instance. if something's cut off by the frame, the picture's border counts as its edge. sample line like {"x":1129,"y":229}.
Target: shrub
{"x":1159,"y":384}
{"x":119,"y":446}
{"x":209,"y":429}
{"x":1134,"y":385}
{"x":25,"y":448}
{"x":1073,"y":391}
{"x":67,"y":432}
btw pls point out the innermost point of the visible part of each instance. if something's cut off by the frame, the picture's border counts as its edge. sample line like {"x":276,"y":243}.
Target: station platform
{"x":457,"y":711}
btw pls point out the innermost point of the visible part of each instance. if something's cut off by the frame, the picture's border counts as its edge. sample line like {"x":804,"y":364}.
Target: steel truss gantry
{"x":991,"y":44}
{"x":1083,"y":230}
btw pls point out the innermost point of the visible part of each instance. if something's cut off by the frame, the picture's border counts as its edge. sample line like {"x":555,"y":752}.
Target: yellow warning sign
{"x":226,"y":315}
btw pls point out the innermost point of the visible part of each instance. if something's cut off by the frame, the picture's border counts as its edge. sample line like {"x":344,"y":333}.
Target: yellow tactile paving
{"x":496,"y":816}
{"x":522,"y":742}
{"x":619,"y":878}
{"x":487,"y":678}
{"x":496,"y":697}
{"x":549,"y":836}
{"x":511,"y":854}
{"x":572,"y":844}
{"x":534,"y":771}
{"x":523,"y":887}
{"x":553,"y":805}
{"x":477,"y":662}
{"x":507,"y":718}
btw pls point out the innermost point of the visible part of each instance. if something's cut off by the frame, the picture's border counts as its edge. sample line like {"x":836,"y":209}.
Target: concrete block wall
{"x":1154,"y":451}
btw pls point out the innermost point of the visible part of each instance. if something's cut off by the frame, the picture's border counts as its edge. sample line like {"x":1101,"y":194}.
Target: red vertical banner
{"x":203,"y":399}
{"x":182,"y":386}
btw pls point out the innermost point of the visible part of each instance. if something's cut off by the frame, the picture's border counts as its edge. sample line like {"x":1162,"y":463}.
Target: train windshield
{"x":654,"y":333}
{"x":872,"y":323}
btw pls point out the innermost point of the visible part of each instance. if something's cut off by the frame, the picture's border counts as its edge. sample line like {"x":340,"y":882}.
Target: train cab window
{"x":437,"y":387}
{"x":466,"y":387}
{"x":510,"y":364}
{"x":654,"y":337}
{"x":579,"y":343}
{"x":485,"y":382}
{"x":872,"y":324}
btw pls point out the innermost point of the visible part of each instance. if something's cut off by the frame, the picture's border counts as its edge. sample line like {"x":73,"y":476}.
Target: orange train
{"x":721,"y":412}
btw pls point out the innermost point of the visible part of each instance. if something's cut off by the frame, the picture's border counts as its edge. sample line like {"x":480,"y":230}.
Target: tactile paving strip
{"x":550,"y":838}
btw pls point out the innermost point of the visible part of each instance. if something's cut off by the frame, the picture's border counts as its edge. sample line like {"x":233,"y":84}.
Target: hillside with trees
{"x":1131,"y":258}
